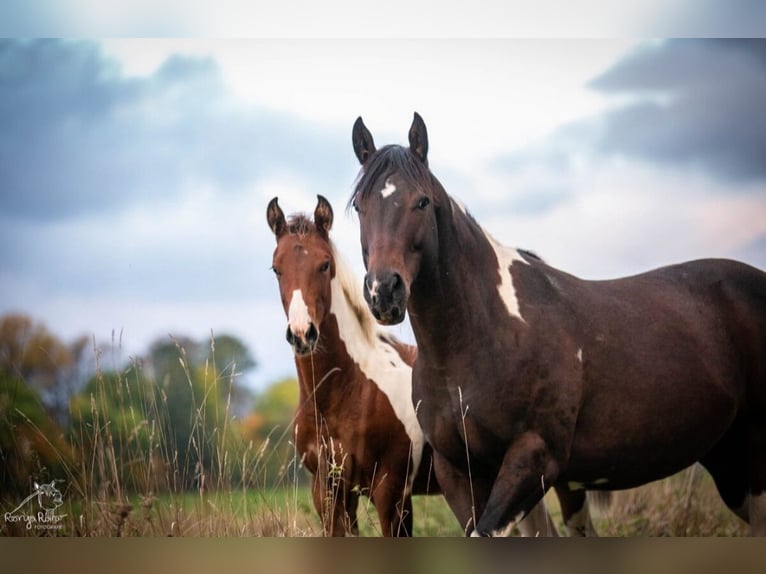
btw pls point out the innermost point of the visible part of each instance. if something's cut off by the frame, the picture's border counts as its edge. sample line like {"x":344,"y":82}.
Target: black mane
{"x":390,"y":159}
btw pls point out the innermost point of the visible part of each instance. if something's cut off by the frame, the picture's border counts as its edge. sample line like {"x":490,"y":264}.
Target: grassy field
{"x":123,"y":476}
{"x":683,"y":505}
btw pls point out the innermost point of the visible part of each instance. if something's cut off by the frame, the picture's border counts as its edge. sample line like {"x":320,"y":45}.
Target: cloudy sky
{"x":135,"y":173}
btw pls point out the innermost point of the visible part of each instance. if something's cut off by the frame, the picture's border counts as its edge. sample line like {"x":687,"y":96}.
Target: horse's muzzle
{"x":304,"y":343}
{"x":386,"y":296}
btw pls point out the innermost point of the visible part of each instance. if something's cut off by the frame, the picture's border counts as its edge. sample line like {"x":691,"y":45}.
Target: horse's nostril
{"x":289,"y":336}
{"x":312,"y":334}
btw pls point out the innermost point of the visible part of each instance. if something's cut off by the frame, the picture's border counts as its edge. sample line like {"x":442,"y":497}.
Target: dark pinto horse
{"x":355,"y":425}
{"x":528,"y":377}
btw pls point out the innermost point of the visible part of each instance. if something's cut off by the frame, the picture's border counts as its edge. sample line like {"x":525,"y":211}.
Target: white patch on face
{"x":579,"y":355}
{"x":374,"y":288}
{"x":505,"y":258}
{"x":298,"y":314}
{"x":388,"y":189}
{"x":378,"y":360}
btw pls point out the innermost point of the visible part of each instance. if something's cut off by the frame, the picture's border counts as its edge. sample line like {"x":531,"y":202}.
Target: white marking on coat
{"x":579,"y":355}
{"x":389,"y":189}
{"x":505,"y":259}
{"x":378,"y":360}
{"x":298,"y":314}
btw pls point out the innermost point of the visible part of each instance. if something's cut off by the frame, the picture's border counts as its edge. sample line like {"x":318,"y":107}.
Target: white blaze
{"x":298,"y":314}
{"x":388,"y":189}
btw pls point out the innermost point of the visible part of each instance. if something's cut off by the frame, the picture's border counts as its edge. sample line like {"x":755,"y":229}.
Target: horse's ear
{"x":323,"y":216}
{"x":419,"y":138}
{"x":364,"y":146}
{"x":276,"y":218}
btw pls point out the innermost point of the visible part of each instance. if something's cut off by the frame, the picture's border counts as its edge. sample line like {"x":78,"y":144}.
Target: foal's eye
{"x":276,"y":272}
{"x":423,"y":203}
{"x":325,"y":267}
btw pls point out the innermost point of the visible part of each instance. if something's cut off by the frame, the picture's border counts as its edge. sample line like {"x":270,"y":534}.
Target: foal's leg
{"x":335,"y":505}
{"x":526,"y":473}
{"x":393,"y":506}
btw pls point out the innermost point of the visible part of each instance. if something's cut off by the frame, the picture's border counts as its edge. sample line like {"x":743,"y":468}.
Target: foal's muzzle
{"x":386,"y":296}
{"x":303,"y":343}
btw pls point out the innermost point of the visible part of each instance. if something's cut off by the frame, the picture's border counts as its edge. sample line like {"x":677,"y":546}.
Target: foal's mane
{"x":389,"y":159}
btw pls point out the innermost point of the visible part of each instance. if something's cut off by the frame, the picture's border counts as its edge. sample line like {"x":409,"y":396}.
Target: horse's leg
{"x":393,"y":506}
{"x":332,"y":502}
{"x":727,"y":463}
{"x":525,"y":474}
{"x":575,"y":511}
{"x":757,"y":498}
{"x":538,"y":522}
{"x":465,"y":493}
{"x":351,"y":505}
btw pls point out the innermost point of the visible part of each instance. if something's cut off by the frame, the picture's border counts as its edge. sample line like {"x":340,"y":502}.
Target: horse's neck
{"x":323,"y":375}
{"x":463,"y":277}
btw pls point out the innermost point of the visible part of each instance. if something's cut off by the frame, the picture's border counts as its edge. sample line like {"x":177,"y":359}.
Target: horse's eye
{"x":325,"y":267}
{"x":356,"y":206}
{"x":276,"y":272}
{"x":423,"y":202}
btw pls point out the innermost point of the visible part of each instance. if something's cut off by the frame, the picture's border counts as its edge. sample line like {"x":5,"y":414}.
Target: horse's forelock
{"x":300,"y":224}
{"x":387,"y":160}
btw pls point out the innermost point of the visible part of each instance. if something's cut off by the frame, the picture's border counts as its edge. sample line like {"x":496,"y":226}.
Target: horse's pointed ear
{"x":276,"y":218}
{"x":364,"y":146}
{"x":323,"y":216}
{"x":419,"y":138}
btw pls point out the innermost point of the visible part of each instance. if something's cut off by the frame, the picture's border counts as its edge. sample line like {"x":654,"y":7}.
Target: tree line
{"x":174,"y":419}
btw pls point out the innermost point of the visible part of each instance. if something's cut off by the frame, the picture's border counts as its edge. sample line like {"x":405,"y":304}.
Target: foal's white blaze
{"x":388,"y":189}
{"x":579,"y":355}
{"x":378,"y":361}
{"x":298,"y":314}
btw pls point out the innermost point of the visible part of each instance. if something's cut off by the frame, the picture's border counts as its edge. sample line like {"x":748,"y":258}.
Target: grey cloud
{"x":79,"y":136}
{"x":698,"y":103}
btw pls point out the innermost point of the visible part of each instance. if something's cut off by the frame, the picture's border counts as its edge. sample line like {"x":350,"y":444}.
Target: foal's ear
{"x":323,"y":216}
{"x":419,"y":138}
{"x":361,"y":137}
{"x":276,"y":218}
